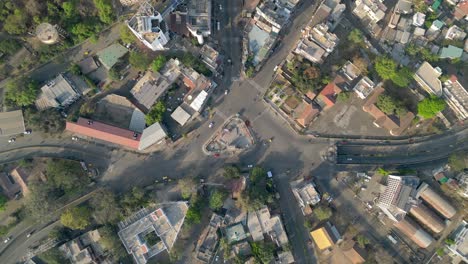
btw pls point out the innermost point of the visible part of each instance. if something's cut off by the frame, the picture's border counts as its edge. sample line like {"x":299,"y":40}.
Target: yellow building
{"x":325,"y":237}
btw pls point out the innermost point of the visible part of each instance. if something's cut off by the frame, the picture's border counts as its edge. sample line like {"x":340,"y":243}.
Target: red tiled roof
{"x":189,"y":83}
{"x":104,"y":132}
{"x":307,"y":114}
{"x":329,"y":93}
{"x":461,"y":10}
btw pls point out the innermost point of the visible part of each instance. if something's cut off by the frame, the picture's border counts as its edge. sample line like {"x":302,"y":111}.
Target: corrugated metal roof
{"x":199,"y":101}
{"x":414,"y":232}
{"x":90,"y":128}
{"x":436,"y":201}
{"x":180,"y":115}
{"x":151,"y":135}
{"x":427,"y":218}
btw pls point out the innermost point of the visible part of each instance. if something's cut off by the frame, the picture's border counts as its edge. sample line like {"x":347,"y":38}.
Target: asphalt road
{"x":288,"y":151}
{"x":429,"y":150}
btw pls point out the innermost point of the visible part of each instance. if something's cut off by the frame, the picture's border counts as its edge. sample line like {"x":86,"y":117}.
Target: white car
{"x":27,"y":132}
{"x":11,"y":140}
{"x":250,"y":166}
{"x":225,"y":92}
{"x":7,"y":239}
{"x":75,"y":138}
{"x":211,"y":125}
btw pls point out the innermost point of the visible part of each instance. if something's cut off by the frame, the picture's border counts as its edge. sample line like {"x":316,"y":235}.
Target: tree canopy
{"x":9,"y":46}
{"x":21,"y":92}
{"x":126,"y":35}
{"x":105,"y":207}
{"x":390,"y":106}
{"x":356,"y":37}
{"x":263,"y":252}
{"x":106,"y":13}
{"x":231,"y":172}
{"x":322,"y":213}
{"x":430,"y":106}
{"x":387,"y":69}
{"x":187,"y":187}
{"x":155,"y":115}
{"x":158,"y":63}
{"x":3,"y":201}
{"x":139,"y":60}
{"x":458,"y":161}
{"x":217,"y":199}
{"x":66,"y":175}
{"x":77,"y":218}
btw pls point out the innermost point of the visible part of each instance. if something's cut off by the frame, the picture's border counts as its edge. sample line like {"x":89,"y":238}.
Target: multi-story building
{"x":199,"y":18}
{"x":273,"y":13}
{"x":428,"y":78}
{"x":371,"y":11}
{"x":316,"y":43}
{"x":58,"y":92}
{"x":149,"y":27}
{"x":364,"y":87}
{"x":456,"y":97}
{"x":459,"y":249}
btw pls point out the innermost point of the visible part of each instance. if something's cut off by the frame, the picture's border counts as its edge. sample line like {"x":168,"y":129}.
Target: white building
{"x":199,"y":18}
{"x":428,"y":78}
{"x":149,"y":27}
{"x":459,"y":250}
{"x":364,"y":87}
{"x":370,"y":10}
{"x":456,"y":97}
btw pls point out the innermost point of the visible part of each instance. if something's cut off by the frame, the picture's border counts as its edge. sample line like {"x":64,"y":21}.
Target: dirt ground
{"x":347,"y":118}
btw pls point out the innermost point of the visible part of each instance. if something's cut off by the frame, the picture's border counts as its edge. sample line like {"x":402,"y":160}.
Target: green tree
{"x":137,"y":198}
{"x":155,"y":115}
{"x":430,"y":106}
{"x":16,"y":23}
{"x":412,"y":49}
{"x":83,"y":30}
{"x":257,"y":175}
{"x":40,"y":201}
{"x":362,"y":241}
{"x":49,"y":121}
{"x":9,"y":46}
{"x":458,"y":161}
{"x":440,"y":252}
{"x":231,"y":172}
{"x":126,"y":35}
{"x":383,"y":171}
{"x":263,"y":252}
{"x":322,"y":213}
{"x":449,"y":241}
{"x":75,"y":69}
{"x":356,"y":37}
{"x":158,"y":63}
{"x":66,"y":175}
{"x":343,"y":96}
{"x":21,"y":92}
{"x":187,"y":187}
{"x":53,"y":256}
{"x":403,"y":77}
{"x":249,"y":72}
{"x":114,"y":74}
{"x":105,"y":207}
{"x":3,"y":202}
{"x":194,"y":213}
{"x":217,"y":199}
{"x":111,"y":243}
{"x":105,"y":10}
{"x":390,"y":106}
{"x":139,"y":60}
{"x":385,"y":67}
{"x":77,"y":218}
{"x":69,"y":8}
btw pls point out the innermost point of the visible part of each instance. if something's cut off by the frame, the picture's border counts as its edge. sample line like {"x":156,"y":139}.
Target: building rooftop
{"x":98,"y":130}
{"x":152,"y":135}
{"x":255,"y":229}
{"x":451,"y":52}
{"x":162,"y":225}
{"x":414,"y":232}
{"x":456,"y":97}
{"x":327,"y":97}
{"x":436,"y":201}
{"x":88,"y":65}
{"x":460,"y":236}
{"x":209,"y":238}
{"x":10,"y":188}
{"x":235,"y":233}
{"x":180,"y":115}
{"x":59,"y":92}
{"x":11,"y":123}
{"x":84,"y":249}
{"x":310,"y":50}
{"x":149,"y":27}
{"x":111,"y":55}
{"x":150,"y":88}
{"x":320,"y":35}
{"x":326,"y":236}
{"x":199,"y":15}
{"x":306,"y":194}
{"x":210,"y":56}
{"x":305,"y":112}
{"x":364,"y":87}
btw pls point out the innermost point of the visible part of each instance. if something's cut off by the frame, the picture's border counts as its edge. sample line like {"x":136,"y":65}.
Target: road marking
{"x":256,"y":86}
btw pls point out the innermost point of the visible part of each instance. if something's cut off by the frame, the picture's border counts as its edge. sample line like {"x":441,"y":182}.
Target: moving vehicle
{"x":27,"y":132}
{"x":11,"y":140}
{"x":75,"y":138}
{"x":211,"y":124}
{"x":269,"y":174}
{"x":7,"y":239}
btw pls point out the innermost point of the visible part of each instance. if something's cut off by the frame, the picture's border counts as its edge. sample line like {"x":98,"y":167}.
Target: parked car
{"x":11,"y":140}
{"x":27,"y":132}
{"x":75,"y":138}
{"x":7,"y":239}
{"x":211,"y":124}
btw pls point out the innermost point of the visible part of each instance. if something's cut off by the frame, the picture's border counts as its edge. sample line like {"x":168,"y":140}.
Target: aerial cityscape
{"x":233,"y":131}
